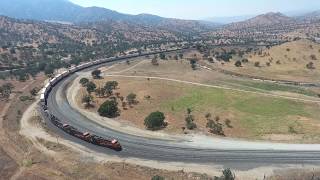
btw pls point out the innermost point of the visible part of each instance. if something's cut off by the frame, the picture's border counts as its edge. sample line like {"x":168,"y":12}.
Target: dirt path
{"x":30,"y":131}
{"x":125,"y":70}
{"x":312,"y":100}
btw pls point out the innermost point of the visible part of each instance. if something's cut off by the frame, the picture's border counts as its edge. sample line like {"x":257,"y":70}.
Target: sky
{"x":202,"y":9}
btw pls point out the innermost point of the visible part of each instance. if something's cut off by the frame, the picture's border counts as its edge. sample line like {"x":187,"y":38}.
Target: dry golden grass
{"x":287,"y":61}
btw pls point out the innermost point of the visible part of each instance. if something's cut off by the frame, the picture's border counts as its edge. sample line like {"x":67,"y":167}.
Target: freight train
{"x":47,"y":88}
{"x":85,"y":136}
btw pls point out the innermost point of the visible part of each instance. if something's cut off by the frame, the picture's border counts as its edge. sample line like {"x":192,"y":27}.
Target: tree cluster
{"x":6,"y":90}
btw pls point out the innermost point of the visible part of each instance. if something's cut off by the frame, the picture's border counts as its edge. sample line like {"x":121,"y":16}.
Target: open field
{"x":285,"y":62}
{"x":253,"y":116}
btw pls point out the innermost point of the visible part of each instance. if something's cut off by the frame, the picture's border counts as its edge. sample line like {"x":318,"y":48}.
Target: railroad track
{"x":173,"y":151}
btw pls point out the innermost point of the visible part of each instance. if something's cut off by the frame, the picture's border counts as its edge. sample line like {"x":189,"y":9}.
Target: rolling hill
{"x":66,"y":11}
{"x":288,"y":61}
{"x":262,"y":20}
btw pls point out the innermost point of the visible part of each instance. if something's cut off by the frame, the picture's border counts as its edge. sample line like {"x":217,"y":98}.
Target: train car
{"x":89,"y":64}
{"x":53,"y":81}
{"x":42,"y":91}
{"x":58,"y":77}
{"x":101,"y":61}
{"x":90,"y":138}
{"x":47,"y":88}
{"x":84,"y":65}
{"x":80,"y":67}
{"x":96,"y":62}
{"x":72,"y":70}
{"x":64,"y":74}
{"x":43,"y":101}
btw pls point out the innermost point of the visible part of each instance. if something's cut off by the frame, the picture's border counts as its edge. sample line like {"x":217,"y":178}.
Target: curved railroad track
{"x":168,"y":150}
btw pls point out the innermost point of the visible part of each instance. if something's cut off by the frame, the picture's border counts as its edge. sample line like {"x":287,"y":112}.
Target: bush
{"x":157,"y":177}
{"x":191,"y":126}
{"x":96,"y":74}
{"x":313,"y":57}
{"x":238,"y":64}
{"x":109,"y":109}
{"x":245,"y":60}
{"x":268,"y":63}
{"x":110,"y":86}
{"x":84,"y":81}
{"x":87,"y":99}
{"x":189,"y":120}
{"x":257,"y":64}
{"x":91,"y":87}
{"x":155,"y":121}
{"x":215,"y":127}
{"x":193,"y":63}
{"x":162,"y":56}
{"x":310,"y":65}
{"x":25,"y":98}
{"x":131,"y":98}
{"x":228,"y":175}
{"x":225,"y":57}
{"x":34,"y":91}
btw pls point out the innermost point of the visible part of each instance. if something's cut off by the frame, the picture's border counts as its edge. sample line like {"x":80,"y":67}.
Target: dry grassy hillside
{"x":287,"y":61}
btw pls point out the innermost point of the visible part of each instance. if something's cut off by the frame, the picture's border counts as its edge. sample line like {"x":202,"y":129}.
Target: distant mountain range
{"x":66,"y":11}
{"x":271,"y":19}
{"x":298,"y":15}
{"x":264,"y":20}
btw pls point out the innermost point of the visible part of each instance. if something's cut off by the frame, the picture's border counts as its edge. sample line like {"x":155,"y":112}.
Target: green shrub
{"x":25,"y":98}
{"x":157,"y":177}
{"x":155,"y":121}
{"x":109,"y":109}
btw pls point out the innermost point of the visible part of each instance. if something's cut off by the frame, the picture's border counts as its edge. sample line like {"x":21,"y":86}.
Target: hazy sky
{"x":199,"y":9}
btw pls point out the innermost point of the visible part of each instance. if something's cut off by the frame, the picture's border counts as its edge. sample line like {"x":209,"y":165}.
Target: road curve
{"x":168,"y":150}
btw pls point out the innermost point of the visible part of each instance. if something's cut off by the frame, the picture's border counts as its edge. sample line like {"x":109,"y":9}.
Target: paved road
{"x":168,"y":150}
